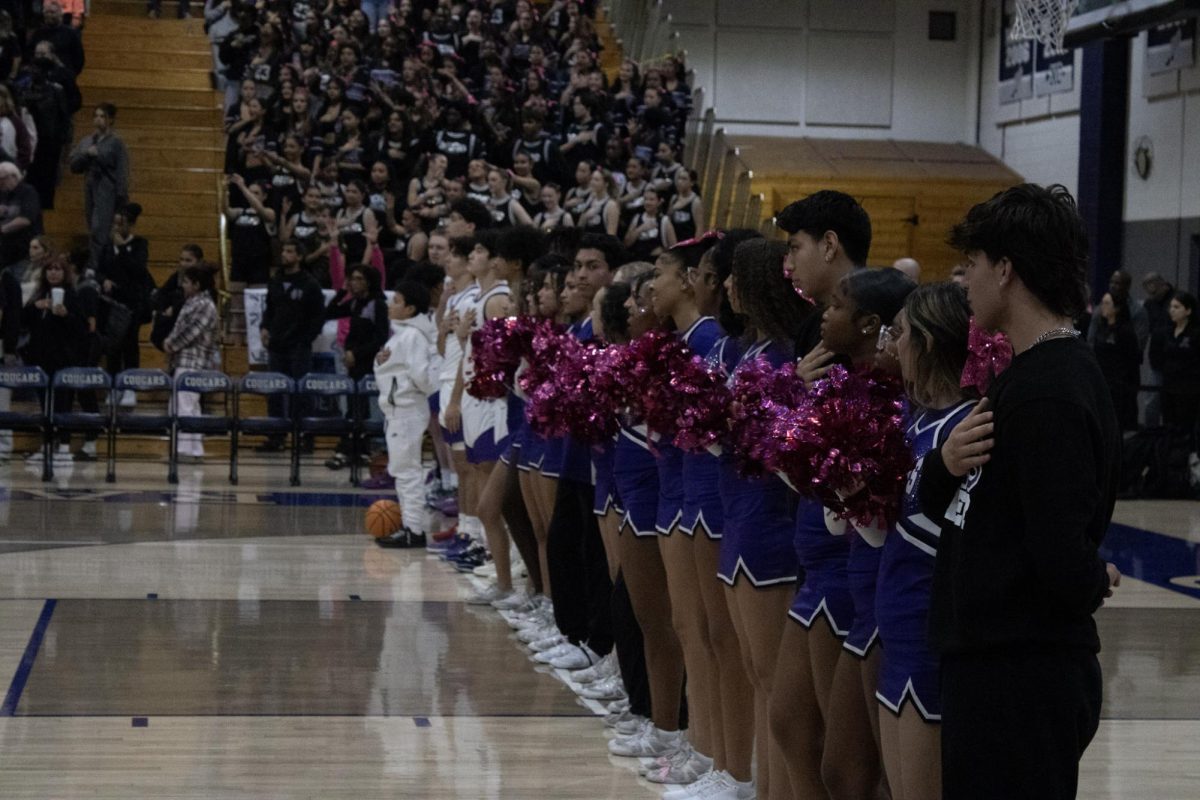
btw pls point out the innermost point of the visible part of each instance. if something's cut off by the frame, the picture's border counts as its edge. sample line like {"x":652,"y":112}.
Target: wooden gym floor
{"x":208,"y":641}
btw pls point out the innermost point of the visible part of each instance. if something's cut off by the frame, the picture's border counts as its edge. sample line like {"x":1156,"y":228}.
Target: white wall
{"x":830,"y":68}
{"x":1165,"y":108}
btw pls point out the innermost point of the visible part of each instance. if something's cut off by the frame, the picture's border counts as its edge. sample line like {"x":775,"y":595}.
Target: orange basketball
{"x":383,"y":518}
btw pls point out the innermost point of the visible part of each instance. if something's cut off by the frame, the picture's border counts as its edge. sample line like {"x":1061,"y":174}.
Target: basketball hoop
{"x":1044,"y":20}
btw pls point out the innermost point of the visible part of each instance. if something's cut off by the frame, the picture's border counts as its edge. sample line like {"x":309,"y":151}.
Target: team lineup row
{"x":943,"y":650}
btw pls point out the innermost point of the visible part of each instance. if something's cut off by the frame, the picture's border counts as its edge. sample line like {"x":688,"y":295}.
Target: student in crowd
{"x":293,"y":317}
{"x":251,"y":230}
{"x":1175,"y":351}
{"x":21,"y":215}
{"x":60,"y":324}
{"x":125,"y":278}
{"x":102,"y":157}
{"x":686,"y":209}
{"x":1116,"y":348}
{"x":363,"y":304}
{"x":193,"y":344}
{"x":168,"y":299}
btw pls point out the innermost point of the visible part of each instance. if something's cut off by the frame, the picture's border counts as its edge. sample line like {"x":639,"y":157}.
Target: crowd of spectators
{"x":364,"y":136}
{"x":357,"y":131}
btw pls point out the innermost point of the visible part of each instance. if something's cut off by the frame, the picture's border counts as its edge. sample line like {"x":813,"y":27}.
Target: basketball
{"x":383,"y":518}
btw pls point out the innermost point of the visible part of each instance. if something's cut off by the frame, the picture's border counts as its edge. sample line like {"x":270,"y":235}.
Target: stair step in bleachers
{"x":186,"y":33}
{"x":149,"y":59}
{"x":155,"y":204}
{"x":160,"y":79}
{"x":177,"y":136}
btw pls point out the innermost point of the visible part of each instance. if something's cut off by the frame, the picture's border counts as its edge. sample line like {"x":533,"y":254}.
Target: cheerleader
{"x":484,"y":423}
{"x":930,"y":339}
{"x":861,"y":304}
{"x":731,"y":696}
{"x":670,"y":591}
{"x":545,"y":283}
{"x":637,"y":481}
{"x":757,"y":561}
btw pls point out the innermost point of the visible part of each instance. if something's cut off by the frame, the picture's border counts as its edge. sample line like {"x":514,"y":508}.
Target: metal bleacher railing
{"x":647,"y":34}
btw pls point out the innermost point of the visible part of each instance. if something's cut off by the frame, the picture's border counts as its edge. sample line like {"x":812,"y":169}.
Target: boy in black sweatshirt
{"x":1024,"y":489}
{"x":293,"y":317}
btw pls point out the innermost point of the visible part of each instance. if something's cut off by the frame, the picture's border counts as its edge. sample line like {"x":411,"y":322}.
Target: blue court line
{"x":13,"y":697}
{"x":1152,"y":557}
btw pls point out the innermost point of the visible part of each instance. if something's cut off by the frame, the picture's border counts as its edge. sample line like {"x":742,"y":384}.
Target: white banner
{"x":256,"y":302}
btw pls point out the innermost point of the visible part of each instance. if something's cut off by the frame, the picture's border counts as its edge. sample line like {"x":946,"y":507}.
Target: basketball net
{"x":1044,"y":20}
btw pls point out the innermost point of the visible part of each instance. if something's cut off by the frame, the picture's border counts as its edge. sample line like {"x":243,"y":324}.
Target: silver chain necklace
{"x":1054,"y":333}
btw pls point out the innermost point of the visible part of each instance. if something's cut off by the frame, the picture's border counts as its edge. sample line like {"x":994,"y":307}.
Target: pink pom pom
{"x":761,"y":395}
{"x":571,"y":389}
{"x":990,"y":354}
{"x":704,"y":398}
{"x":498,"y":348}
{"x":650,"y":362}
{"x":861,"y":419}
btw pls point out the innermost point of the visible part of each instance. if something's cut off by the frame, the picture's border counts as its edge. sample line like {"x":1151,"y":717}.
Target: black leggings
{"x":128,"y":352}
{"x":579,"y":568}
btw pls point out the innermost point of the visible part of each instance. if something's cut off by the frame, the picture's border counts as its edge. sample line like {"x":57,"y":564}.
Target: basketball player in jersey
{"x":1024,"y":488}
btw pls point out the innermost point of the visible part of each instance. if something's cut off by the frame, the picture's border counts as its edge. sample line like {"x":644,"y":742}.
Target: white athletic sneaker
{"x":486,"y":595}
{"x":617,"y":705}
{"x":557,"y":651}
{"x":607,"y":689}
{"x":548,"y":642}
{"x":730,"y":790}
{"x":614,"y":718}
{"x":630,"y":726}
{"x":535,"y":633}
{"x":701,"y":784}
{"x":604,"y":668}
{"x":576,"y":658}
{"x":514,"y":601}
{"x":686,"y":767}
{"x":649,"y":742}
{"x":486,"y":571}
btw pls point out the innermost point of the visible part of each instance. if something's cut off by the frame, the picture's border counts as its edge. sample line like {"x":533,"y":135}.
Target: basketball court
{"x":208,"y":641}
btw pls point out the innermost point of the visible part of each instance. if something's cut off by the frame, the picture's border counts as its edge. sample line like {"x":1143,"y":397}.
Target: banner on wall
{"x":1171,"y":46}
{"x":256,"y":303}
{"x":1016,"y":66}
{"x":1053,"y":74}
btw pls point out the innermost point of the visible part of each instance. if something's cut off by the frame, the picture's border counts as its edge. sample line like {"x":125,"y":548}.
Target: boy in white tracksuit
{"x":402,"y":371}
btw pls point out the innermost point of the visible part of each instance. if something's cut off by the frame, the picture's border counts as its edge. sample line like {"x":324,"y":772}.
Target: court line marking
{"x":13,"y":697}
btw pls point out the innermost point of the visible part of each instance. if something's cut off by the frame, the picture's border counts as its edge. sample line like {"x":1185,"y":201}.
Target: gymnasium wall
{"x":1162,"y":211}
{"x":834,"y":69}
